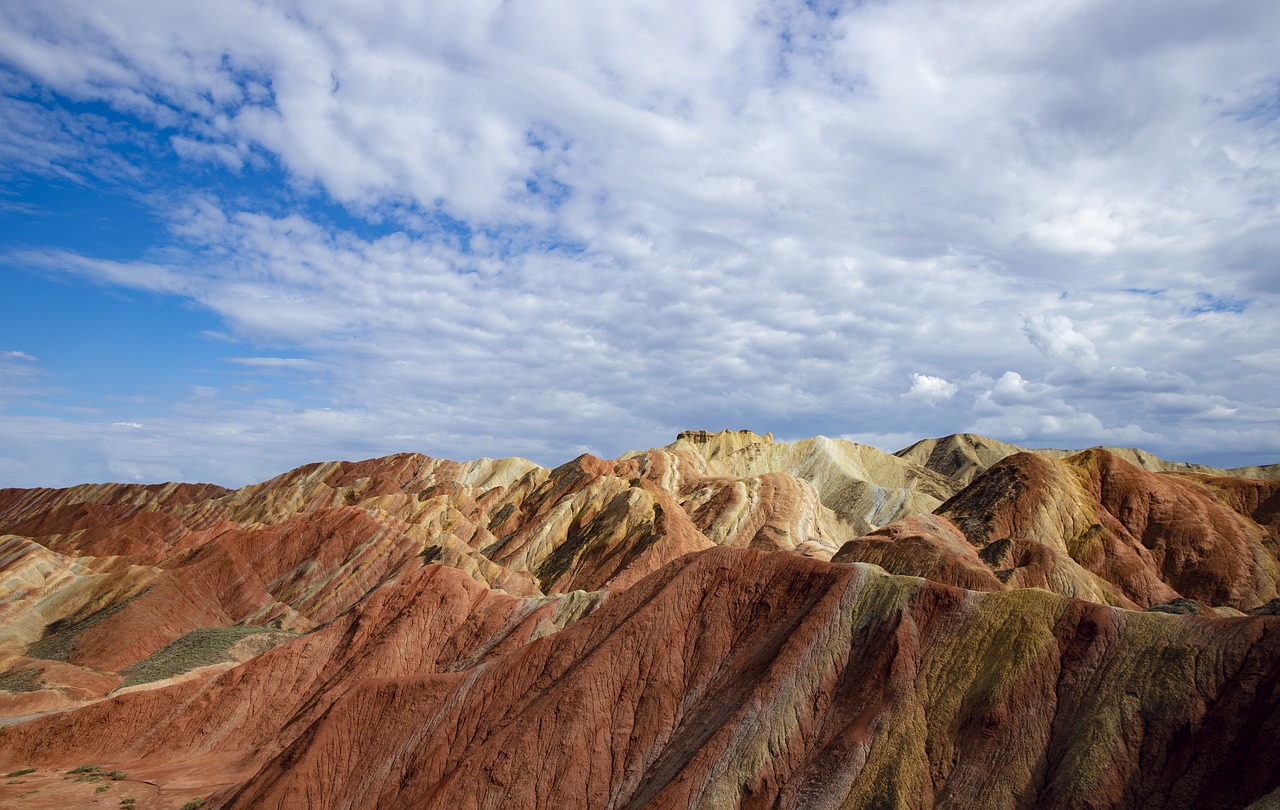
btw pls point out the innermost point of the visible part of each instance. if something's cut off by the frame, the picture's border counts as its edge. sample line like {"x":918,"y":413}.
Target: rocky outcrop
{"x":864,"y":487}
{"x":1094,"y":526}
{"x":925,"y":546}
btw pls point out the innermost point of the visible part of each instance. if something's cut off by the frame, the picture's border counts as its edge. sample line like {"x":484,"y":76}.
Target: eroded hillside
{"x":727,"y":621}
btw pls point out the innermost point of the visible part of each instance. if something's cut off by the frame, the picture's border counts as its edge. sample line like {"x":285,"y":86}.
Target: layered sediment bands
{"x":924,"y":546}
{"x":1097,"y":527}
{"x":961,"y":457}
{"x":590,"y":524}
{"x":434,"y":620}
{"x":743,"y":679}
{"x":109,"y":519}
{"x":964,"y":456}
{"x":346,"y":483}
{"x":864,"y":487}
{"x":768,"y":512}
{"x":660,"y":630}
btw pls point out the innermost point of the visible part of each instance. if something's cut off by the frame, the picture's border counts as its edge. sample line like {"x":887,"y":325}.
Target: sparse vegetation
{"x":194,"y":804}
{"x":23,"y":680}
{"x":101,"y":788}
{"x":63,"y":636}
{"x":129,"y":803}
{"x":199,"y":648}
{"x":21,"y":772}
{"x":95,"y":773}
{"x":431,"y":554}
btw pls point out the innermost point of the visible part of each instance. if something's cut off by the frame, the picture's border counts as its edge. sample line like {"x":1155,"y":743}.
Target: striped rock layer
{"x":727,"y":621}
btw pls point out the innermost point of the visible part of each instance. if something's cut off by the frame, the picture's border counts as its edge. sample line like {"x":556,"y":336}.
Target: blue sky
{"x":241,"y":236}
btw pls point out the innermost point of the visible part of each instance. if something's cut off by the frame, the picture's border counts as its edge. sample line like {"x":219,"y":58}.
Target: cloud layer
{"x":548,"y":227}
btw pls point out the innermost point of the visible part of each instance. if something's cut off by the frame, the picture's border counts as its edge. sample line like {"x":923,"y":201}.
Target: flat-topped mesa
{"x":725,"y":439}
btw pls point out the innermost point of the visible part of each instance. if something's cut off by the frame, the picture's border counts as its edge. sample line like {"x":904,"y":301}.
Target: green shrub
{"x":95,"y":773}
{"x":194,"y":804}
{"x":22,"y":772}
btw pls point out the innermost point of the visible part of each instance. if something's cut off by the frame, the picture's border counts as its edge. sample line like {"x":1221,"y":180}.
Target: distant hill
{"x":963,"y":455}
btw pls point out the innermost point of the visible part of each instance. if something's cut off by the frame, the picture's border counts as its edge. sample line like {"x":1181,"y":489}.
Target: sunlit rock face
{"x":727,"y":621}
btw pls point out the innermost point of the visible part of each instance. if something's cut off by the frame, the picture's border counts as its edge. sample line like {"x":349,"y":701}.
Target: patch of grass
{"x":22,"y":772}
{"x":101,"y":788}
{"x":85,"y":769}
{"x":63,"y":636}
{"x":194,"y":804}
{"x":24,"y":680}
{"x":199,"y":648}
{"x":1271,"y":608}
{"x":128,"y":804}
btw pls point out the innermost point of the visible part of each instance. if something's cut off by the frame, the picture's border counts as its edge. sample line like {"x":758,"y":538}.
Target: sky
{"x":240,"y":236}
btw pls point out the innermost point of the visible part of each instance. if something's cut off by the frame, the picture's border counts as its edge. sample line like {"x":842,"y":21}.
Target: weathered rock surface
{"x":963,"y":456}
{"x":661,"y":630}
{"x":866,"y":488}
{"x":1096,"y":527}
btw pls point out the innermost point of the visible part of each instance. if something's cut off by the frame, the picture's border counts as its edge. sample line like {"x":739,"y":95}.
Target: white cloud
{"x":585,"y":227}
{"x":20,"y":376}
{"x":138,"y":275}
{"x":931,"y":389}
{"x":225,"y":154}
{"x":290,"y":363}
{"x":1056,"y":337}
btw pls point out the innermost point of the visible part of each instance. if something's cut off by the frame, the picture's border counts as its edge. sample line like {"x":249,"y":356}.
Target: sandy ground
{"x":52,"y":788}
{"x":59,"y":789}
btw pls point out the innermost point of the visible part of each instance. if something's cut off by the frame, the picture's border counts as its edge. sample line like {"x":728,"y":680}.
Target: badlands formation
{"x":724,"y":622}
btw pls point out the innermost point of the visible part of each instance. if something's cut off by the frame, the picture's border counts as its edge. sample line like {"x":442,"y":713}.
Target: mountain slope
{"x":660,"y":630}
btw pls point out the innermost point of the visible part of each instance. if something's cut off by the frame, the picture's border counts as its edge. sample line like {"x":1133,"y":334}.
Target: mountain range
{"x":727,"y":621}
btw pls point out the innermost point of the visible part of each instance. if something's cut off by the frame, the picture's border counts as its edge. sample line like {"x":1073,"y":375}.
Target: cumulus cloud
{"x":565,"y":227}
{"x":1056,"y":337}
{"x":931,"y":389}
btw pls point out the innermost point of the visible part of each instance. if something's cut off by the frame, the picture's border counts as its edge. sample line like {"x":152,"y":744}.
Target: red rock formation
{"x":923,"y":546}
{"x":730,"y":678}
{"x":1097,"y":527}
{"x":614,"y":634}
